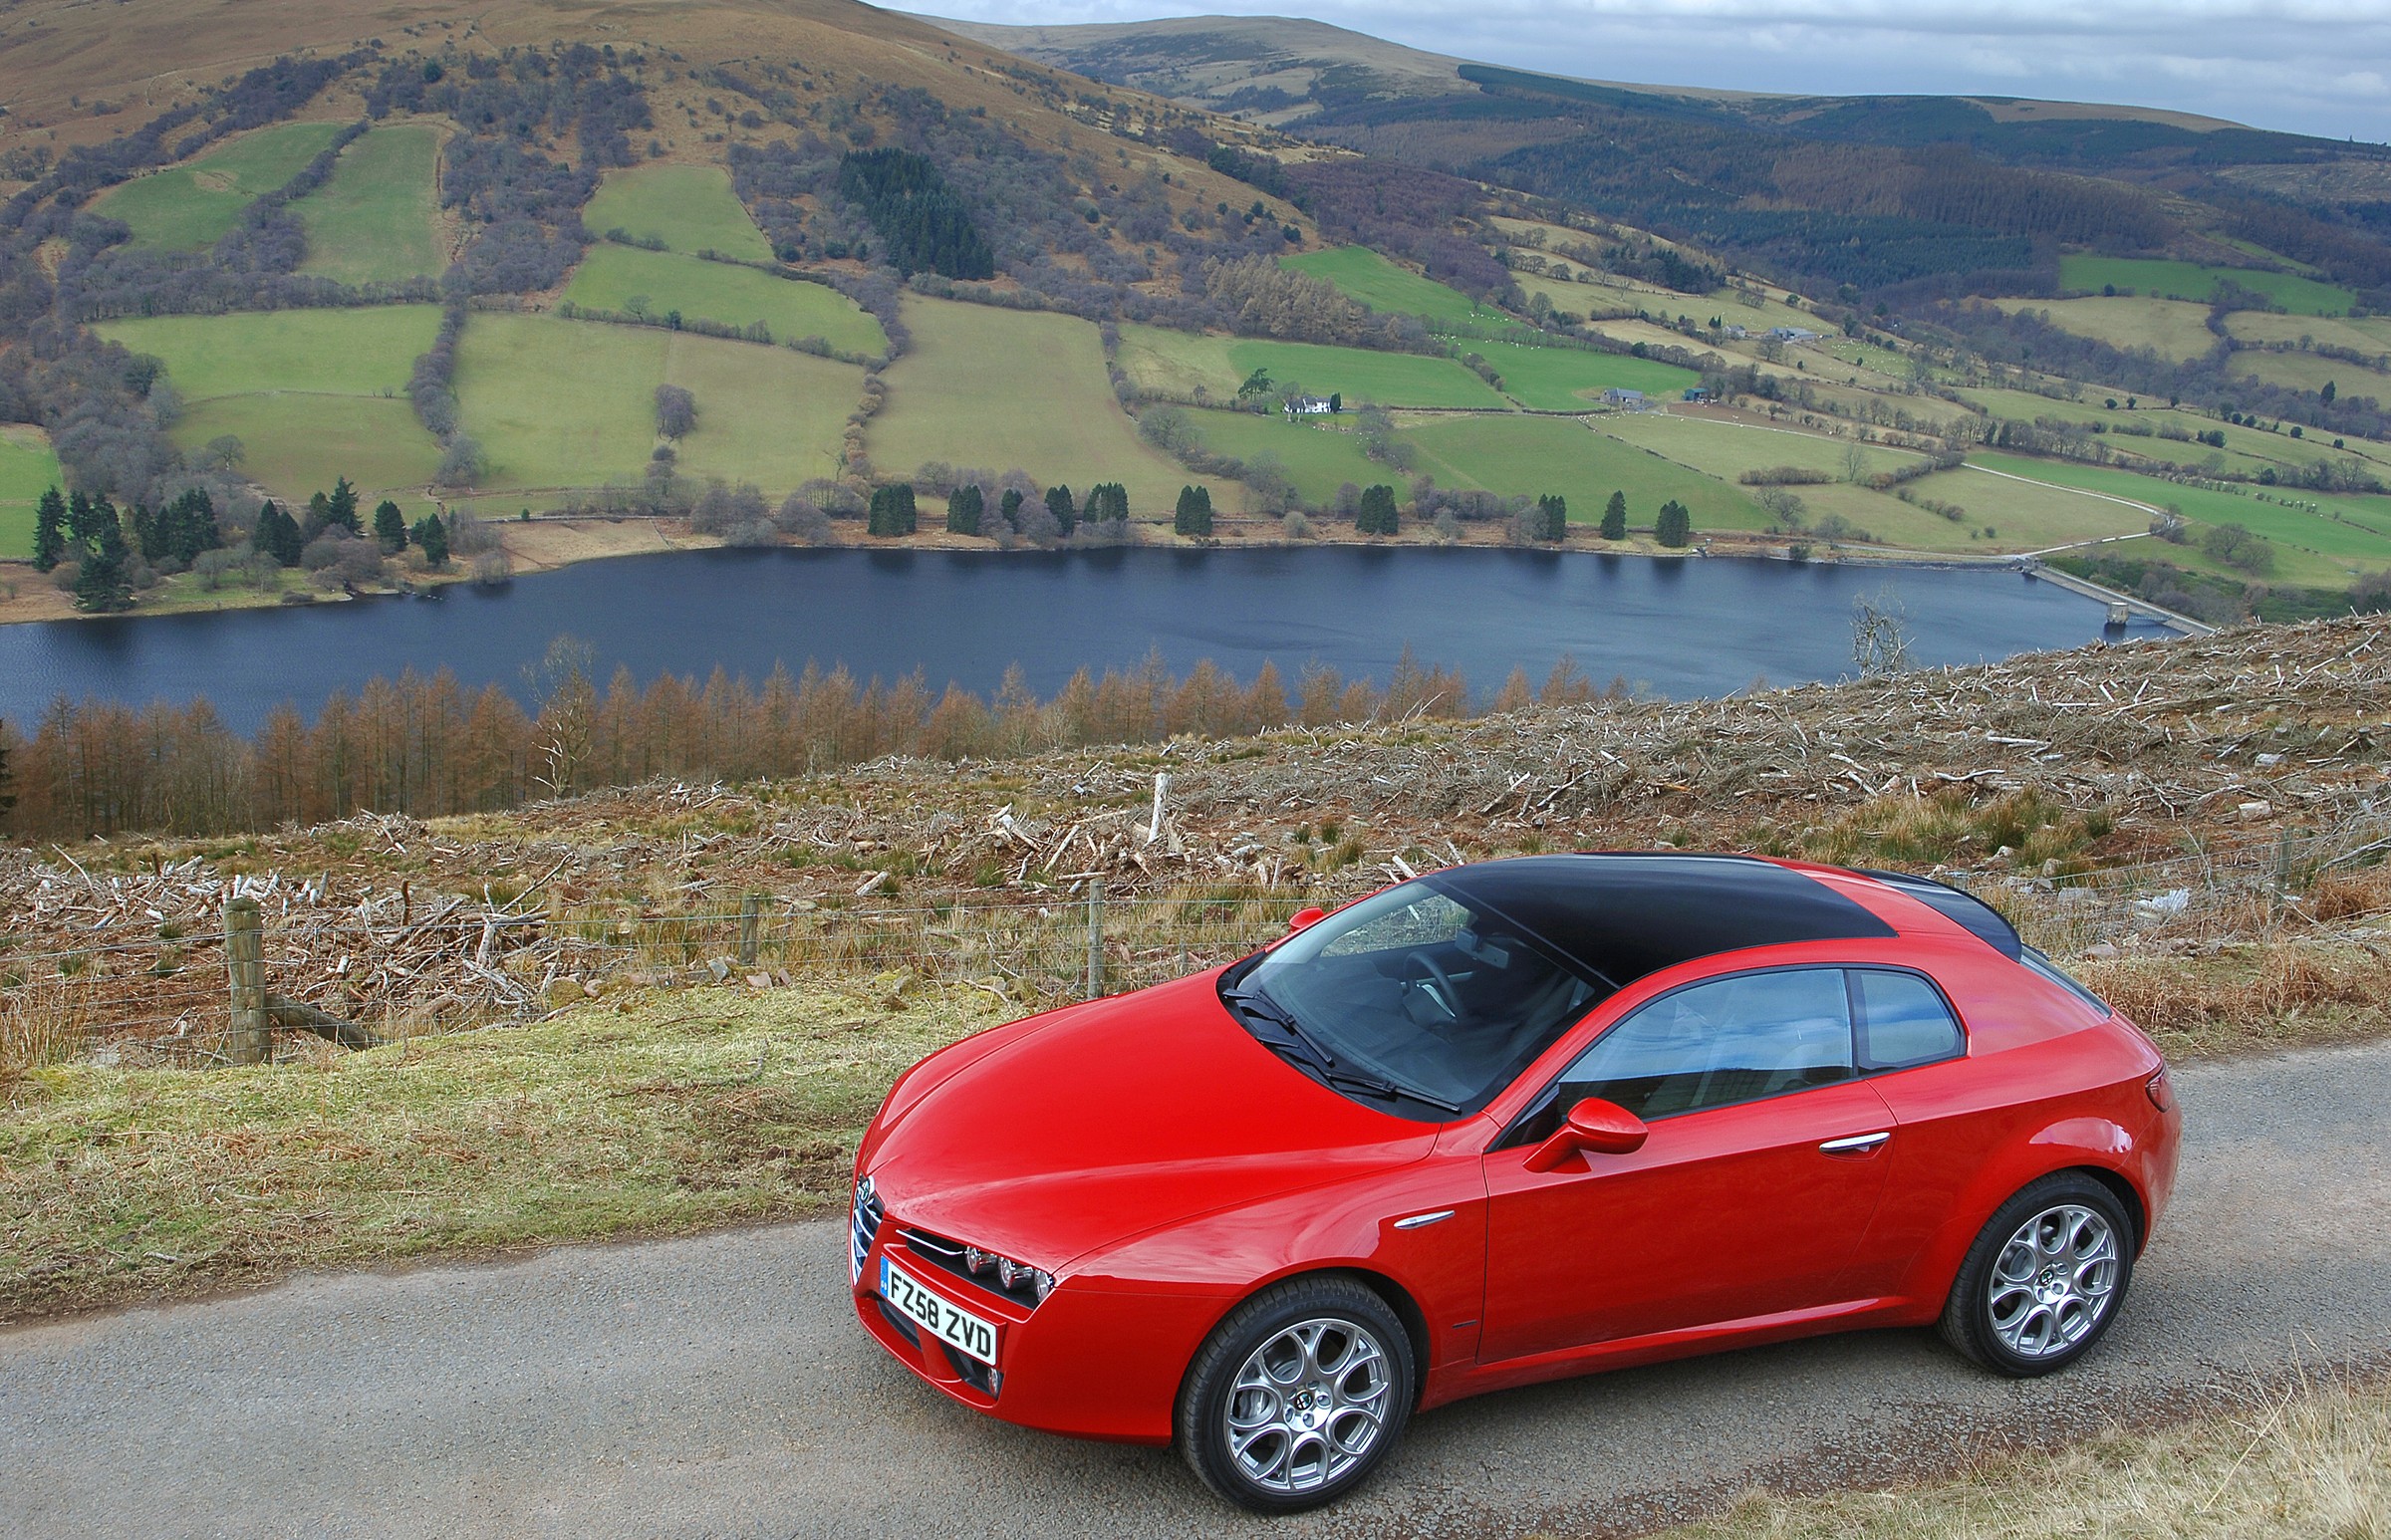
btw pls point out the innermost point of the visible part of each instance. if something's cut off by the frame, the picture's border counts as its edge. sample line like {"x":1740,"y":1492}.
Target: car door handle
{"x":1854,"y":1144}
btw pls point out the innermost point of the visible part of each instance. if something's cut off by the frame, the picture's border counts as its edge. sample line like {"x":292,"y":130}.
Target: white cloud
{"x":2307,"y":66}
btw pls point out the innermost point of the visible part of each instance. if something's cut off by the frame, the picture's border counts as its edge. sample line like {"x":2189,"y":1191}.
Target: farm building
{"x":1617,"y":396}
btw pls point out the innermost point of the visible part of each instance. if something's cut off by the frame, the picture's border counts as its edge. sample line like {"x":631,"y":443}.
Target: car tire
{"x":2044,"y":1279}
{"x":1294,"y":1398}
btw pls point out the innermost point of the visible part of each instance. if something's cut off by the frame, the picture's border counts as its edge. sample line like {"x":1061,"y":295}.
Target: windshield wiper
{"x":1263,"y":1008}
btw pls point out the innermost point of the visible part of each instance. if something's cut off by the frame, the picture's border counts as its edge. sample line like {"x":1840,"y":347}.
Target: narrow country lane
{"x":719,"y":1386}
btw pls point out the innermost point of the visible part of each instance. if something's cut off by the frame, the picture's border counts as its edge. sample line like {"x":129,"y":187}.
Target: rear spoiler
{"x":1980,"y":918}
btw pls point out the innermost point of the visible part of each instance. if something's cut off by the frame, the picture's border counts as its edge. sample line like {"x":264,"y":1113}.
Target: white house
{"x":1308,"y":406}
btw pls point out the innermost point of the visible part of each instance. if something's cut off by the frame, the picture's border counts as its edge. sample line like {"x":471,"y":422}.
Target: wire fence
{"x":157,"y":987}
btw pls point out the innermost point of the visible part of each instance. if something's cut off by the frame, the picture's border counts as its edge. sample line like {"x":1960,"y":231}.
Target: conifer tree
{"x":1674,"y":524}
{"x":965,"y":505}
{"x":1614,"y":517}
{"x":102,"y":587}
{"x":187,"y":526}
{"x":1009,"y":507}
{"x":340,"y":506}
{"x":277,"y":535}
{"x":149,"y":532}
{"x":1377,"y":514}
{"x":49,"y":531}
{"x":1194,"y":513}
{"x":1555,"y":509}
{"x":1059,"y":503}
{"x":431,"y":536}
{"x":83,"y":526}
{"x":892,"y":511}
{"x":389,"y":526}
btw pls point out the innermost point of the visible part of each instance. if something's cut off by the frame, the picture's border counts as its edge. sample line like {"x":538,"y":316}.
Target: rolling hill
{"x":741,"y":267}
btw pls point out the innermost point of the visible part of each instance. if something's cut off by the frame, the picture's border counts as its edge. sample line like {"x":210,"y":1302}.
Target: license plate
{"x":951,"y":1323}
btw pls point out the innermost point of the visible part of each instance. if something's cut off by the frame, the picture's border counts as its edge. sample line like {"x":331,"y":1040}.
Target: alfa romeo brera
{"x":1503,"y":1124}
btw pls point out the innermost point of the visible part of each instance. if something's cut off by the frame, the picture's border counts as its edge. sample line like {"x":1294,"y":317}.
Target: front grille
{"x":863,"y":1222}
{"x":903,"y":1327}
{"x":948,"y":1257}
{"x":971,"y":1371}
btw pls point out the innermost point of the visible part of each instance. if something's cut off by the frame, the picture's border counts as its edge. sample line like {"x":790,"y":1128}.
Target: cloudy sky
{"x":2310,"y":66}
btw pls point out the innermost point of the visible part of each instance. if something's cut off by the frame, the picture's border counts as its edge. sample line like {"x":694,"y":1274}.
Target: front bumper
{"x":1092,"y":1362}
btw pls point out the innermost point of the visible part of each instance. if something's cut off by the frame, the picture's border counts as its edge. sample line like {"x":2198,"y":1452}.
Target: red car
{"x":1508,"y":1123}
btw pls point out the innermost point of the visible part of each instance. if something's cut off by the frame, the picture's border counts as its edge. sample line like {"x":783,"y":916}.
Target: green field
{"x":188,"y":206}
{"x":764,"y":414}
{"x":299,"y":444}
{"x":655,"y":283}
{"x":1319,"y":457}
{"x":1183,"y":364}
{"x":373,"y":221}
{"x":2369,"y":336}
{"x":2308,"y":372}
{"x":998,"y":389}
{"x":2173,"y":329}
{"x":1366,"y":276}
{"x":2364,"y":543}
{"x":27,"y":469}
{"x":572,"y":403}
{"x":1570,"y":378}
{"x":690,"y":209}
{"x":312,"y":395}
{"x":1726,"y":449}
{"x":369,"y":351}
{"x":1519,"y":455}
{"x":2192,"y":280}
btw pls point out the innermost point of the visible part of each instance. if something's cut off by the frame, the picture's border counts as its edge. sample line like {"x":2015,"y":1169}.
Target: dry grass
{"x":2312,"y":1461}
{"x":649,"y":1114}
{"x":2252,"y":997}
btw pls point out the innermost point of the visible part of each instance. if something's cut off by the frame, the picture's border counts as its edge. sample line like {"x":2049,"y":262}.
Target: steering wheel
{"x":1451,"y":1000}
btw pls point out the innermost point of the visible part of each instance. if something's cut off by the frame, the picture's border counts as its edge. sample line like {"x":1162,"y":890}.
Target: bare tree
{"x":1880,"y":643}
{"x":676,"y":411}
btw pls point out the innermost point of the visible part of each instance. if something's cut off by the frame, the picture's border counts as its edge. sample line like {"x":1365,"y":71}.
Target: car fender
{"x":2064,"y":1142}
{"x":1436,"y":1262}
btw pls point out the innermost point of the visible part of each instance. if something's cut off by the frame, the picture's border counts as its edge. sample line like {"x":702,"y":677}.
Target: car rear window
{"x":1904,"y":1021}
{"x":2038,"y":963}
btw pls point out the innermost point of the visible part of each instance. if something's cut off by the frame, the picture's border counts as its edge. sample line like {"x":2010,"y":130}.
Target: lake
{"x":1676,"y":628}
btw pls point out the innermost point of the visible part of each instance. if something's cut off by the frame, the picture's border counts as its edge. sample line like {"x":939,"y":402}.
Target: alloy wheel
{"x":1308,"y":1405}
{"x":2054,"y":1281}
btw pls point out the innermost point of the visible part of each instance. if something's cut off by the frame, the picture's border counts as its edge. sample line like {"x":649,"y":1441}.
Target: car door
{"x":1749,"y":1197}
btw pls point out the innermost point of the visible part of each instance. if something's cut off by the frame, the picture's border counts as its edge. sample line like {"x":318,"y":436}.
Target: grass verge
{"x":653,"y":1114}
{"x":2313,"y":1460}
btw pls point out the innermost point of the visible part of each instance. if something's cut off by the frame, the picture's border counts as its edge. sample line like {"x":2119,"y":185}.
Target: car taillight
{"x":2162,"y":1095}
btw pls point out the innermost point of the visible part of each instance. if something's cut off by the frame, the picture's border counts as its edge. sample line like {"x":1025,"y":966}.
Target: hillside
{"x":743,"y":271}
{"x":703,"y":988}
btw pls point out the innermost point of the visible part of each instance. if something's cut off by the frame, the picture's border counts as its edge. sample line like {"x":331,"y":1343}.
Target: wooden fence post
{"x":1095,"y":937}
{"x":751,"y":915}
{"x":245,"y":959}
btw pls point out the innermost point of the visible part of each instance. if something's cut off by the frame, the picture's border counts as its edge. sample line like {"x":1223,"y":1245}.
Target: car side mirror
{"x":1304,"y":920}
{"x":1594,"y":1127}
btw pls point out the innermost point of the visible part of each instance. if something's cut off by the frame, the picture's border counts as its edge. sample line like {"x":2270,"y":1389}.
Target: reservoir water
{"x":1676,"y":628}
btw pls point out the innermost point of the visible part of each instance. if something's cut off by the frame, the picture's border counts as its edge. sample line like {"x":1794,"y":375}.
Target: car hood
{"x":1102,"y":1121}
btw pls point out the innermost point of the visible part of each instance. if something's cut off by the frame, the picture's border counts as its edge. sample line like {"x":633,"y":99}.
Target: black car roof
{"x":1624,"y":915}
{"x":1964,"y":908}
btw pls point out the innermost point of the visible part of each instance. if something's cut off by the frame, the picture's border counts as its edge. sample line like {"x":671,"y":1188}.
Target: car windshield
{"x":1420,"y":1000}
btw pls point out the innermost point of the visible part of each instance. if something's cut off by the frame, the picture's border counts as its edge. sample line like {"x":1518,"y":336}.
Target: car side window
{"x":1903,"y":1022}
{"x":1735,"y":1039}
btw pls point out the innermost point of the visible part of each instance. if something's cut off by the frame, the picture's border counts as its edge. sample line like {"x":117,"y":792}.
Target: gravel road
{"x":718,"y":1386}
